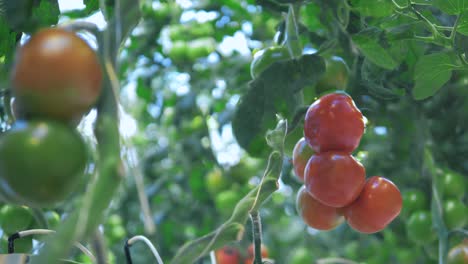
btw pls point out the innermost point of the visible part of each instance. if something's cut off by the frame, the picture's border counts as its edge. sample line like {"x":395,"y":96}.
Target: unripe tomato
{"x":56,"y":74}
{"x":264,"y":58}
{"x":315,"y":214}
{"x":336,"y":76}
{"x":333,"y":123}
{"x":419,"y":227}
{"x":334,"y":178}
{"x":458,"y":254}
{"x":40,"y":162}
{"x":455,"y":214}
{"x":227,"y":255}
{"x":413,"y":200}
{"x":251,"y":249}
{"x":378,"y":204}
{"x":14,"y":218}
{"x":301,"y":155}
{"x":215,"y":181}
{"x":453,"y":184}
{"x":301,"y":256}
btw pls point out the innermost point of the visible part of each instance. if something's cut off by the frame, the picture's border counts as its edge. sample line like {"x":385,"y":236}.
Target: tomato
{"x":56,"y":74}
{"x":301,"y":154}
{"x":301,"y":256}
{"x":249,"y":260}
{"x":215,"y":181}
{"x":251,"y":249}
{"x":264,"y":58}
{"x":315,"y":214}
{"x":227,"y":255}
{"x":41,"y":162}
{"x":378,"y":204}
{"x":333,"y":123}
{"x":334,"y":178}
{"x":53,"y":219}
{"x":419,"y":227}
{"x":458,"y":254}
{"x":14,"y":218}
{"x":453,"y":184}
{"x":455,"y":214}
{"x":336,"y":76}
{"x":413,"y":200}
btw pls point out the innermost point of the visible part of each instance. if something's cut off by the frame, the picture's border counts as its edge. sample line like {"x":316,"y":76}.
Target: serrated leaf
{"x":451,"y":7}
{"x":274,"y":92}
{"x":374,"y":52}
{"x":431,"y":73}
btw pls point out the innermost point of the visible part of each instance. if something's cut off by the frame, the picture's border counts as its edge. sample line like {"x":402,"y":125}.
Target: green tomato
{"x":226,"y":201}
{"x":265,"y":57}
{"x":301,"y":256}
{"x":335,"y":77}
{"x":419,"y":227}
{"x":455,"y":214}
{"x":14,"y":218}
{"x":41,"y":163}
{"x":413,"y":200}
{"x":53,"y":219}
{"x":215,"y":181}
{"x":453,"y":184}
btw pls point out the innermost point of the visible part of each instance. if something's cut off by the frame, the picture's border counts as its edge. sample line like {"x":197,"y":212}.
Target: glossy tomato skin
{"x":56,"y":74}
{"x":378,"y":204}
{"x":458,"y":254}
{"x":301,"y":155}
{"x":315,"y":214}
{"x":334,"y":178}
{"x":419,"y":227}
{"x":334,"y":123}
{"x":227,"y":255}
{"x":265,"y":57}
{"x":40,"y":162}
{"x":413,"y":200}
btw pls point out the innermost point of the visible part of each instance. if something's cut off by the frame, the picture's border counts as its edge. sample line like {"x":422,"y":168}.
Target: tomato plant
{"x":51,"y":173}
{"x":265,"y":57}
{"x":454,"y":184}
{"x":413,"y":200}
{"x":455,"y":214}
{"x":56,"y":74}
{"x":316,"y":214}
{"x":334,"y":178}
{"x":377,"y":205}
{"x":301,"y":155}
{"x":14,"y":218}
{"x":333,"y":123}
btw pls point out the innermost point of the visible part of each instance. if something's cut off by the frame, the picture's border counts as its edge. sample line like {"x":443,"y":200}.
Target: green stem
{"x":455,"y":28}
{"x":292,"y":31}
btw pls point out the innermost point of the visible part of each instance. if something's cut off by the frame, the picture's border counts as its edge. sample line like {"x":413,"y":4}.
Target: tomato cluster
{"x":335,"y":187}
{"x":55,"y":80}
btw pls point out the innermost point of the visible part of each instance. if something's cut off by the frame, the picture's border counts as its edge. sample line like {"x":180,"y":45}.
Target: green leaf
{"x":451,"y":7}
{"x":275,"y":91}
{"x":374,"y":8}
{"x":431,"y":72}
{"x":373,"y":51}
{"x":463,"y":24}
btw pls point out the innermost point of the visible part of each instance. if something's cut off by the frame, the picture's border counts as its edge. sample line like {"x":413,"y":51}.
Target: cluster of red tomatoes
{"x":56,"y":79}
{"x":335,"y":187}
{"x":231,"y":255}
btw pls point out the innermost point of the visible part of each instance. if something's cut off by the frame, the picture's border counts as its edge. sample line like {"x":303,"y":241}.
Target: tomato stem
{"x":257,"y":236}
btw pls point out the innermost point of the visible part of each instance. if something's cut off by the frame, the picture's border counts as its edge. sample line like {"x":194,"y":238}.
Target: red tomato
{"x":378,"y":204}
{"x":250,"y":251}
{"x":334,"y":178}
{"x":56,"y":74}
{"x":227,"y":255}
{"x":301,"y":154}
{"x":333,"y":123}
{"x":249,"y":260}
{"x":316,"y":214}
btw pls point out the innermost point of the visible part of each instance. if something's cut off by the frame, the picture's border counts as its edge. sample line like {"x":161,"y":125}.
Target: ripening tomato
{"x":315,"y":214}
{"x":378,"y":204}
{"x":458,"y":254}
{"x":301,"y":154}
{"x":251,"y":249}
{"x":334,"y":123}
{"x":56,"y":74}
{"x":227,"y":255}
{"x":334,"y":178}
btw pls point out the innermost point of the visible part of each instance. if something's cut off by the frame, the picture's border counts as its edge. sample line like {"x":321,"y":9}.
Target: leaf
{"x":373,"y":51}
{"x":451,"y":7}
{"x":374,"y":8}
{"x":431,"y":72}
{"x":274,"y":92}
{"x":463,"y":24}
